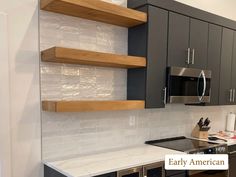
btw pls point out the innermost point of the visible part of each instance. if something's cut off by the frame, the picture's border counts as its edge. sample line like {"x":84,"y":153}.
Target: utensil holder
{"x":196,"y":133}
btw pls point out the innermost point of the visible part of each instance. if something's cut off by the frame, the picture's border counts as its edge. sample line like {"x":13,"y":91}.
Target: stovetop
{"x":184,"y":144}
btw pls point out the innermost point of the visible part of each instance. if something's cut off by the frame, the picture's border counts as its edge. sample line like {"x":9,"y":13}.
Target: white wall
{"x":21,"y":139}
{"x":225,"y":8}
{"x":5,"y":148}
{"x":22,"y":159}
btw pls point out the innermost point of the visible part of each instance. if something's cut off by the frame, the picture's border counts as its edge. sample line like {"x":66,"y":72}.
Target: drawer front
{"x":153,"y":170}
{"x":108,"y":175}
{"x":180,"y":175}
{"x":172,"y":173}
{"x":49,"y":172}
{"x":132,"y":172}
{"x":232,"y":148}
{"x":232,"y":164}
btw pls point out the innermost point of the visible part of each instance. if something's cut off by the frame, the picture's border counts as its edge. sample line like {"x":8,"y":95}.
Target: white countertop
{"x":229,"y":142}
{"x":103,"y":163}
{"x":228,"y":138}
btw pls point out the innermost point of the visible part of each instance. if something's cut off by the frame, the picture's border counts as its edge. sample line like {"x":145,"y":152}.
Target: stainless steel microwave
{"x":188,"y":85}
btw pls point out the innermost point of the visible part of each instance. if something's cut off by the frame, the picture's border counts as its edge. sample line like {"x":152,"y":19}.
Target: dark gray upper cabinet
{"x":187,"y":42}
{"x":173,"y":37}
{"x":149,"y":40}
{"x":178,"y":40}
{"x":233,"y":73}
{"x":156,"y":58}
{"x":198,"y":43}
{"x":214,"y":55}
{"x":225,"y":95}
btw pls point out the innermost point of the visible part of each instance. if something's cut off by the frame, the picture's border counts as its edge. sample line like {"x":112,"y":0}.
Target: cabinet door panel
{"x":157,"y":56}
{"x":198,"y":43}
{"x":173,"y":173}
{"x":225,"y":70}
{"x":213,"y":64}
{"x":155,"y":172}
{"x":113,"y":174}
{"x":232,"y":162}
{"x":178,"y":40}
{"x":49,"y":172}
{"x":180,"y":175}
{"x":233,"y":76}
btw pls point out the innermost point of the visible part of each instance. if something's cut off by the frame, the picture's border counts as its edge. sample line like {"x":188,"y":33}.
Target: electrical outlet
{"x":132,"y":121}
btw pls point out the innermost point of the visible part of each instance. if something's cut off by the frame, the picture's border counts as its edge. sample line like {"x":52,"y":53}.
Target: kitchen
{"x":66,"y":135}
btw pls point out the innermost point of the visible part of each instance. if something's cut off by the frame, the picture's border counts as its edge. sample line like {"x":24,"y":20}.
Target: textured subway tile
{"x":118,"y":2}
{"x":67,"y":31}
{"x":85,"y":133}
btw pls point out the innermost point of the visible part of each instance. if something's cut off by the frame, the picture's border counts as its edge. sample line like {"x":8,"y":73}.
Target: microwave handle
{"x":204,"y":85}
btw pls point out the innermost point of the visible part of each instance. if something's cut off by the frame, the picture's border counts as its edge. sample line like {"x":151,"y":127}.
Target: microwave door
{"x":188,"y":85}
{"x":183,"y":89}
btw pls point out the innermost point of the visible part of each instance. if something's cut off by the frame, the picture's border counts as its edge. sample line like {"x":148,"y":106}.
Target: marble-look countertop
{"x":229,"y":142}
{"x":107,"y":162}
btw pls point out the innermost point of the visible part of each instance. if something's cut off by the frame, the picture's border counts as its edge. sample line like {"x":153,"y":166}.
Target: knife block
{"x":196,"y":133}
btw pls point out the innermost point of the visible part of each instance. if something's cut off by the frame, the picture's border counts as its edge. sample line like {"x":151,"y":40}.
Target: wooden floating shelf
{"x":84,"y":57}
{"x":89,"y":106}
{"x":96,"y":10}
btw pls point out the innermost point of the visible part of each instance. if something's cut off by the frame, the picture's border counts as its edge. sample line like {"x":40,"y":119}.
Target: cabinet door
{"x":49,"y":172}
{"x":133,"y":172}
{"x":213,"y":64}
{"x":153,"y":170}
{"x":225,"y":70}
{"x":113,"y":174}
{"x":157,"y":56}
{"x":178,"y":40}
{"x":233,"y":75}
{"x":180,"y":175}
{"x":232,"y":162}
{"x":198,"y":43}
{"x":176,"y":173}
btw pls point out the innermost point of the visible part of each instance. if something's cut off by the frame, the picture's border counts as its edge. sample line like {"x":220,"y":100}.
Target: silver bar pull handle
{"x":188,"y":59}
{"x":234,"y":152}
{"x":233,"y":97}
{"x":193,"y":56}
{"x":230,"y":95}
{"x":165,"y":95}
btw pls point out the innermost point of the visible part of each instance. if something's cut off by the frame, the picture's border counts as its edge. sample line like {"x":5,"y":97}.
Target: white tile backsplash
{"x":66,"y":135}
{"x":69,"y":134}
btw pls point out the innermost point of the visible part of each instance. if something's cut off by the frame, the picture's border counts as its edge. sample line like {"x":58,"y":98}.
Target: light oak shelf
{"x":89,"y":106}
{"x":96,"y":10}
{"x":76,"y":56}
